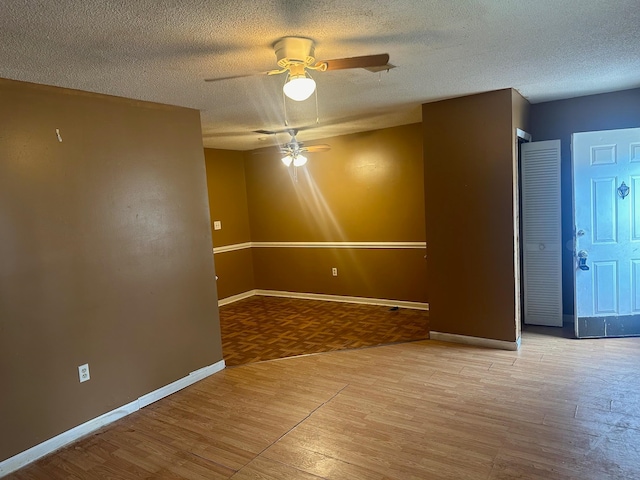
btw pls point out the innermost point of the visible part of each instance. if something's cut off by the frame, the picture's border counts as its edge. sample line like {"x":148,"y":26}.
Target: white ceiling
{"x":161,"y":50}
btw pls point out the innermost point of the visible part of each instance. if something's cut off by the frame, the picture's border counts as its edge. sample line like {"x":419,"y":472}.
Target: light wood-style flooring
{"x":557,"y":409}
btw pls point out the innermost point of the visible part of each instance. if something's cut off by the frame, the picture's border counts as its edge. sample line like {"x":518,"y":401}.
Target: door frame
{"x":521,"y":137}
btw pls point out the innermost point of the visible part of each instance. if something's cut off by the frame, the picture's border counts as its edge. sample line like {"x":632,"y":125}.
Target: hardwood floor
{"x":557,"y":409}
{"x":265,"y":328}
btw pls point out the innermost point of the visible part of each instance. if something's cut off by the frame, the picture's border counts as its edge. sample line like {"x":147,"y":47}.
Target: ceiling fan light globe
{"x":299,"y":161}
{"x":299,"y":88}
{"x":287,"y":160}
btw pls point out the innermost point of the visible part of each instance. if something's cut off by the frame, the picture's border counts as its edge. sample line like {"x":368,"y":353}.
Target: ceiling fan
{"x":296,"y":56}
{"x":293,"y":150}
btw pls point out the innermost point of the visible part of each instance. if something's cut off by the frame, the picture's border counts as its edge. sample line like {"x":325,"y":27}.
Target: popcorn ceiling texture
{"x":161,"y":51}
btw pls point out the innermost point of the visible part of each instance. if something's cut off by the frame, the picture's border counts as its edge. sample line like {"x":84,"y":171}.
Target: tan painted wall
{"x":468,"y":157}
{"x":228,"y":204}
{"x":105,"y":256}
{"x":559,"y":120}
{"x":367,"y":188}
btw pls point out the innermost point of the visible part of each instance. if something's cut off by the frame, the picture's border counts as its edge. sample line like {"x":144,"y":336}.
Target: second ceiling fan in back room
{"x":293,"y":150}
{"x":296,"y":56}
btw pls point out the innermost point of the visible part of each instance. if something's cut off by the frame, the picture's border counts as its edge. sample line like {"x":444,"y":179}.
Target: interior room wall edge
{"x":470,"y":235}
{"x":521,"y":112}
{"x":475,"y":341}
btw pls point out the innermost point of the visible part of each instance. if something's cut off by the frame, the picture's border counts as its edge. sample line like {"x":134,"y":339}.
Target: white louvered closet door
{"x":541,"y":233}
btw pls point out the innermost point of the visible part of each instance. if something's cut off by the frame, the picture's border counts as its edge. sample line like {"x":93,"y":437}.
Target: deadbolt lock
{"x":582,"y":260}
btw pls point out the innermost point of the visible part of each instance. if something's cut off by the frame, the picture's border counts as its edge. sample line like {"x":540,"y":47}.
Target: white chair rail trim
{"x":375,"y":245}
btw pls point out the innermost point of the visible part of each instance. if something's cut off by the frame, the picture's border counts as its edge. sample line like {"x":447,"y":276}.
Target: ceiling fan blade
{"x":263,"y":151}
{"x":219,"y":79}
{"x":366,"y":61}
{"x":317,"y":148}
{"x":267,"y":132}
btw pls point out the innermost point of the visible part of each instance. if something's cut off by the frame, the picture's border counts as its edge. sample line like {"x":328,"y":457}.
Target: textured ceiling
{"x":162,"y":50}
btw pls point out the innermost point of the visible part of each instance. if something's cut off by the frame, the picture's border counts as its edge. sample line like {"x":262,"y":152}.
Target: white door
{"x":606,"y":182}
{"x":541,"y":232}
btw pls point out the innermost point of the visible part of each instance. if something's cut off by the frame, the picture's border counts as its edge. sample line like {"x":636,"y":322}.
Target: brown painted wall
{"x":105,"y":256}
{"x":468,"y":163}
{"x":367,"y":188}
{"x":371,"y":273}
{"x":235,"y":272}
{"x":559,"y":120}
{"x":228,"y":204}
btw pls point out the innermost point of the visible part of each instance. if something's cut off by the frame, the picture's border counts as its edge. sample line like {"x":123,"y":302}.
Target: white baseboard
{"x":329,"y":298}
{"x":18,"y":461}
{"x":476,"y":341}
{"x":345,"y":299}
{"x":38,"y":451}
{"x":235,"y":298}
{"x":179,"y":384}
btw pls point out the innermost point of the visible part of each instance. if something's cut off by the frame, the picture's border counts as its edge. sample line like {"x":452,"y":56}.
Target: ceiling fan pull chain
{"x":284,"y":107}
{"x":317,"y":114}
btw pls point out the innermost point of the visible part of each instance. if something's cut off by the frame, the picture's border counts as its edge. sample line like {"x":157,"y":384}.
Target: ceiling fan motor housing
{"x":295,"y":51}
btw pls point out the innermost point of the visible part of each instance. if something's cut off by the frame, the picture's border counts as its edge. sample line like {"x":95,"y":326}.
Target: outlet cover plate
{"x":83,"y":373}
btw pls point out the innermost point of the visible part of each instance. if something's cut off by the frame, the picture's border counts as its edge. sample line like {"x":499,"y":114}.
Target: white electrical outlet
{"x":334,"y":271}
{"x":83,"y":372}
{"x":217,"y":225}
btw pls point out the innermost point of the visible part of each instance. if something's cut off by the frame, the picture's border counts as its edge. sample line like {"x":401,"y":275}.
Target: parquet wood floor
{"x":265,"y":328}
{"x":558,"y":409}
